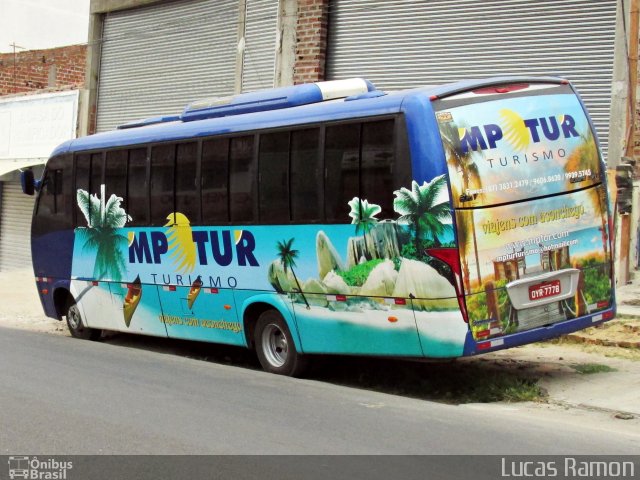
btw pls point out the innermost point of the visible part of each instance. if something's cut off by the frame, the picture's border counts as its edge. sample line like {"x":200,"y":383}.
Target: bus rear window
{"x":507,"y":147}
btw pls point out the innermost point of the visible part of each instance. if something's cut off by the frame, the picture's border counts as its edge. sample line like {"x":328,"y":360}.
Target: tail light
{"x":451,"y":257}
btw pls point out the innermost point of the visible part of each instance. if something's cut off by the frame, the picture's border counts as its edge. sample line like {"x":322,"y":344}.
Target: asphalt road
{"x":60,"y":395}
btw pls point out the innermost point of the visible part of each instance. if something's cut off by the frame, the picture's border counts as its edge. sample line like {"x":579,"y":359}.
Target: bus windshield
{"x":504,"y":147}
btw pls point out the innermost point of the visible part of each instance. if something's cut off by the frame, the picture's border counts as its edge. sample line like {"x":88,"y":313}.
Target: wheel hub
{"x":275,"y":346}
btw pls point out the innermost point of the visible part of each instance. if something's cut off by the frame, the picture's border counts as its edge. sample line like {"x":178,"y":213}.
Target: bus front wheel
{"x":77,"y":327}
{"x":275,"y":348}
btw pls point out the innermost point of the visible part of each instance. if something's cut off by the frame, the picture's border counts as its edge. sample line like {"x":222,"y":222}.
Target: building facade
{"x":151,"y":57}
{"x":39,"y":99}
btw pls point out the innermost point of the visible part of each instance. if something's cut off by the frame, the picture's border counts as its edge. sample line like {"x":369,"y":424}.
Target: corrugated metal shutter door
{"x":156,"y":59}
{"x":15,"y":227}
{"x":404,"y":43}
{"x":258,"y":69}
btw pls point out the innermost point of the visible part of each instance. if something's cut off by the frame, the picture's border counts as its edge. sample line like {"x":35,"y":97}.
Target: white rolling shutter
{"x":404,"y":43}
{"x":258,"y":69}
{"x":15,"y":227}
{"x":158,"y":58}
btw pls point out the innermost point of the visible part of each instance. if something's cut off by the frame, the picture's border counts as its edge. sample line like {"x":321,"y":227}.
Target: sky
{"x":38,"y":24}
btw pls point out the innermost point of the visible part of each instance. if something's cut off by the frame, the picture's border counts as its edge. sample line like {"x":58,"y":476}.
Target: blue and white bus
{"x":334,"y":218}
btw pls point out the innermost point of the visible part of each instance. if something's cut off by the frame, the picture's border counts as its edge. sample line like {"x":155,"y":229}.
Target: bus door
{"x":199,"y":311}
{"x":530,"y":200}
{"x":368,"y":319}
{"x":95,"y":301}
{"x":136,"y":308}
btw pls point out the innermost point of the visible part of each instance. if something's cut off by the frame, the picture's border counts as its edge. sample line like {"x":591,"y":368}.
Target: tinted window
{"x":115,"y":175}
{"x":96,"y":173}
{"x":493,"y":158}
{"x":162,"y":180}
{"x":214,"y":181}
{"x":242,"y":176}
{"x":137,"y":187}
{"x":83,"y":170}
{"x":306,"y":176}
{"x":376,"y":166}
{"x":187,"y":192}
{"x":55,"y":202}
{"x":274,"y":177}
{"x":341,"y":153}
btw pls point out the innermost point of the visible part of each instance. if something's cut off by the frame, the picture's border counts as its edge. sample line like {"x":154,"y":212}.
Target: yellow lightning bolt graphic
{"x":514,"y":130}
{"x":181,"y":245}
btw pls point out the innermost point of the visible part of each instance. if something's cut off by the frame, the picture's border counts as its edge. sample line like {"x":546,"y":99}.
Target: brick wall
{"x":52,"y":69}
{"x":311,"y":47}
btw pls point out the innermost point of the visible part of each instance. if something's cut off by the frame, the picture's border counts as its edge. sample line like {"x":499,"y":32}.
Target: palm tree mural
{"x":461,"y":162}
{"x":464,"y":164}
{"x":418,"y":207}
{"x":363,"y":216}
{"x":288,"y":255}
{"x":585,"y":157}
{"x":104,"y":219}
{"x":464,"y":219}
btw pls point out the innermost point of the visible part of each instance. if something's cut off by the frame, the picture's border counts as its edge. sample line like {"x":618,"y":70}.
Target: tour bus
{"x":335,"y":218}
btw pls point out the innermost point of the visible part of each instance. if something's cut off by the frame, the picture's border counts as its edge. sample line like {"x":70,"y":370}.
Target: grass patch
{"x":589,"y":368}
{"x":454,"y":382}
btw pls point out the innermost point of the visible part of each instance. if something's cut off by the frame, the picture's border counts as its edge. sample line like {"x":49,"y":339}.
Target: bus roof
{"x":174,"y":128}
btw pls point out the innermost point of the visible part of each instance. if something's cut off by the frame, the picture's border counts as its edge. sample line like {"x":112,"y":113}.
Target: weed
{"x":588,"y":368}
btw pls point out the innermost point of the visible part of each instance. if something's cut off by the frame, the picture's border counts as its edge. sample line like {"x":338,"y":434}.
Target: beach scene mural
{"x":515,"y":149}
{"x":374,"y":284}
{"x":367,"y":286}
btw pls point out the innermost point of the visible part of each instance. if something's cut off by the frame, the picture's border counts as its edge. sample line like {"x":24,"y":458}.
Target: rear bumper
{"x":472,"y":347}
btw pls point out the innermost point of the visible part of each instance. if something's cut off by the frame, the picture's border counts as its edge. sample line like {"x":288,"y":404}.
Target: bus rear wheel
{"x":275,"y":348}
{"x":77,"y":327}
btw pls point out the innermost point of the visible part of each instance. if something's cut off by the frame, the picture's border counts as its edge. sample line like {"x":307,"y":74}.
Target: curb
{"x":624,"y":333}
{"x":620,"y":414}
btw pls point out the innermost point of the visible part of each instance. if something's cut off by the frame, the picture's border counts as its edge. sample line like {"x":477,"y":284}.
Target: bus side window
{"x":96,"y":174}
{"x":115,"y":175}
{"x":187,"y":192}
{"x":306,"y":176}
{"x":162,"y":184}
{"x":46,"y":200}
{"x":83,"y":170}
{"x":55,"y":202}
{"x":137,"y":187}
{"x":64,"y":193}
{"x":215,"y":181}
{"x":273,"y":179}
{"x":242,"y":179}
{"x":376,"y":166}
{"x":341,"y":165}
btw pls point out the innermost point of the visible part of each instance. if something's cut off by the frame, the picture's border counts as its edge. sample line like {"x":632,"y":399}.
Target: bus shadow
{"x":468,"y":380}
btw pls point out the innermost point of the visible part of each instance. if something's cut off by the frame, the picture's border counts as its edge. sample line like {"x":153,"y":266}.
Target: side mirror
{"x":27,"y":181}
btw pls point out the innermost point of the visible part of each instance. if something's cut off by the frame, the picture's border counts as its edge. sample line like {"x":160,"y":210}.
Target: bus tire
{"x":76,"y":325}
{"x":275,"y":348}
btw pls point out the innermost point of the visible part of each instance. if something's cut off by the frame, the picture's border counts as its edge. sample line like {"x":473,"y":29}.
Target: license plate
{"x":544,"y":290}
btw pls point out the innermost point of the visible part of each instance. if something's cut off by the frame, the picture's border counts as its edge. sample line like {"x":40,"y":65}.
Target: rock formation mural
{"x":387,"y":259}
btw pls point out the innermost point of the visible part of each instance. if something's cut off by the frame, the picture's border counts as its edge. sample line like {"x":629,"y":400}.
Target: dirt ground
{"x":21,"y":307}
